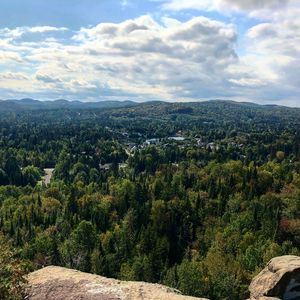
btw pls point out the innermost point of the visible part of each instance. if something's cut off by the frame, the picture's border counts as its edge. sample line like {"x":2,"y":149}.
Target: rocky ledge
{"x":56,"y":283}
{"x":280,"y":279}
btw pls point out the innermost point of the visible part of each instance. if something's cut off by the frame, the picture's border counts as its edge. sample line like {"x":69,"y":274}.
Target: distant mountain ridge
{"x":156,"y":107}
{"x":32,"y":104}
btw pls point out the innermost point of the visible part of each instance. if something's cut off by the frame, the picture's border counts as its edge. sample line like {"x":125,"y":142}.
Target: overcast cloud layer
{"x":175,"y":54}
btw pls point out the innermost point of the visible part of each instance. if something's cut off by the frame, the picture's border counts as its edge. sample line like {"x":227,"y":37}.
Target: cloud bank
{"x":148,"y":58}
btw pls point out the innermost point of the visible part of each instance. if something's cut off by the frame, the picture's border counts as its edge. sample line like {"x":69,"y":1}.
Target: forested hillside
{"x":198,"y":196}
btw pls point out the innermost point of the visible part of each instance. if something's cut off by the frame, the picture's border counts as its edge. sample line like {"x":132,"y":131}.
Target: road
{"x":48,"y":176}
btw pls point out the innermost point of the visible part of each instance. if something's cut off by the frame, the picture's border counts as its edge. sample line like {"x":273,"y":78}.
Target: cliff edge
{"x":57,"y":283}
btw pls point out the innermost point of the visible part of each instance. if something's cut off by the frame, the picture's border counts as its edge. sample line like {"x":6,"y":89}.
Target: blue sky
{"x":71,"y":13}
{"x":75,"y":14}
{"x":171,"y":50}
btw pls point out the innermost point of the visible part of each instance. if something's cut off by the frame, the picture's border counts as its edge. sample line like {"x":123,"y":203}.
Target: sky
{"x":142,"y":50}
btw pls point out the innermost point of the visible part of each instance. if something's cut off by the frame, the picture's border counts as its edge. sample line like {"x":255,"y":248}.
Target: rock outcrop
{"x":56,"y":283}
{"x":279,"y":280}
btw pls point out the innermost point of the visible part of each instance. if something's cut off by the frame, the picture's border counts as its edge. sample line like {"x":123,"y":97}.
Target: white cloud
{"x":275,"y":46}
{"x":20,"y":31}
{"x":13,"y":76}
{"x":250,"y":5}
{"x":47,"y":79}
{"x":256,"y":8}
{"x":164,"y":61}
{"x":41,"y":29}
{"x":8,"y":56}
{"x":147,"y":59}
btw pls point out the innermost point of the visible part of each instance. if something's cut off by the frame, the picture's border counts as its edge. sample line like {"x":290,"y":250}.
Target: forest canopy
{"x":198,"y":196}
